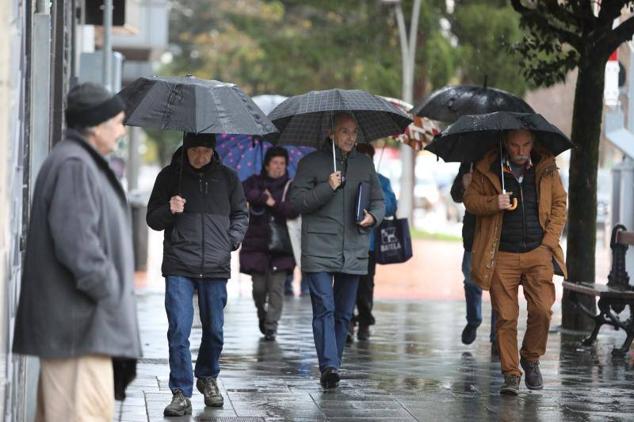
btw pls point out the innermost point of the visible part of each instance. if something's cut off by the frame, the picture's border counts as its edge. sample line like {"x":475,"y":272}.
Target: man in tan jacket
{"x":518,"y":246}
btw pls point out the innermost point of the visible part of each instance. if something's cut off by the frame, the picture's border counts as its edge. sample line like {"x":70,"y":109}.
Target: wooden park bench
{"x":613,"y":297}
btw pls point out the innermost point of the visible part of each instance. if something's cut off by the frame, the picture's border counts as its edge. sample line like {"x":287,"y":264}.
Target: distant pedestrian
{"x":200,"y":205}
{"x":266,"y":195}
{"x":472,"y":292}
{"x":365,"y":293}
{"x":516,"y":246}
{"x":77,"y":308}
{"x":334,"y":245}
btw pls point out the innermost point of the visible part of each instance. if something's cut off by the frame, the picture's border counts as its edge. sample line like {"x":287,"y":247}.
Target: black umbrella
{"x":449,"y":103}
{"x":307,"y":119}
{"x":472,"y":136}
{"x":195,"y":105}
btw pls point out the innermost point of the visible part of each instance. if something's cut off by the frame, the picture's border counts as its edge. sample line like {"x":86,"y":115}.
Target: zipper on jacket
{"x":202,"y":229}
{"x":523,"y":216}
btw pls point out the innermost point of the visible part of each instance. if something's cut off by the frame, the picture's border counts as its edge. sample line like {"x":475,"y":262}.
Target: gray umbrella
{"x":449,"y":103}
{"x":195,"y":105}
{"x":307,"y":119}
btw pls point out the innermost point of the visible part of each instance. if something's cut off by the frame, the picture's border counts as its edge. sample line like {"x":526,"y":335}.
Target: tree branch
{"x":615,"y":37}
{"x":560,"y":13}
{"x":611,"y":10}
{"x":540,"y":18}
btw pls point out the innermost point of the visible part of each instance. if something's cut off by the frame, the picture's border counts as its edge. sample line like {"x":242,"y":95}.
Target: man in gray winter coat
{"x":77,"y":308}
{"x":334,"y":245}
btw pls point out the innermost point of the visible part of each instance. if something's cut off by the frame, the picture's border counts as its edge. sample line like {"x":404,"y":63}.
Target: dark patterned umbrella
{"x":472,"y":136}
{"x":308,"y":118}
{"x":449,"y":103}
{"x":190,"y":104}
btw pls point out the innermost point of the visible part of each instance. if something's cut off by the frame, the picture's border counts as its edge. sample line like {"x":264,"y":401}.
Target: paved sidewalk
{"x":413,"y":368}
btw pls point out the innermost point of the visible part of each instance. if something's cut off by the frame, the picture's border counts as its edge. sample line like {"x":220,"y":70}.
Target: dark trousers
{"x":365,"y":295}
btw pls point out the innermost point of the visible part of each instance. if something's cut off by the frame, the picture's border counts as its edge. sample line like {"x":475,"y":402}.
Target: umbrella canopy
{"x":267,"y":102}
{"x":190,"y":104}
{"x":245,"y":154}
{"x":472,"y":136}
{"x":307,"y":119}
{"x":449,"y":103}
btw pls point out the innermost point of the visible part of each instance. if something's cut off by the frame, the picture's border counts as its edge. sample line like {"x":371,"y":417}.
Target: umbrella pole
{"x":334,"y":157}
{"x":180,"y":173}
{"x":514,"y":202}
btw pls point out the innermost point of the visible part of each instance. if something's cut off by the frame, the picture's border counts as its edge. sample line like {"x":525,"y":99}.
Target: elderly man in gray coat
{"x":334,"y":245}
{"x":77,"y":308}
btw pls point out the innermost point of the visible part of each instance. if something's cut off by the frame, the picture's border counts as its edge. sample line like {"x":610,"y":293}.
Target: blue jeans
{"x":333,"y":304}
{"x":212,"y":298}
{"x":473,"y":297}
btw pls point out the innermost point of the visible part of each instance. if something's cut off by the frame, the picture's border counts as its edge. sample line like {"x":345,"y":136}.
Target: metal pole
{"x":134,"y":162}
{"x":107,"y":44}
{"x":408,"y":53}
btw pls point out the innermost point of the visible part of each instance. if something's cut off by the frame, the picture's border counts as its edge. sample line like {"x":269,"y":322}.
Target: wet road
{"x":413,"y":368}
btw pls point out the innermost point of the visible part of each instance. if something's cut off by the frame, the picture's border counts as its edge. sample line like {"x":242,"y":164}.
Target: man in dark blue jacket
{"x":472,"y":292}
{"x":201,"y":206}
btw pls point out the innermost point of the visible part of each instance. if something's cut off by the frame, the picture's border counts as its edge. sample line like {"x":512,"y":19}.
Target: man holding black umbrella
{"x":201,"y":206}
{"x":334,"y":244}
{"x":517,"y":242}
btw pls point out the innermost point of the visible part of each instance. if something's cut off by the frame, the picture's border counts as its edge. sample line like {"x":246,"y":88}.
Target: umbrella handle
{"x":514,"y":202}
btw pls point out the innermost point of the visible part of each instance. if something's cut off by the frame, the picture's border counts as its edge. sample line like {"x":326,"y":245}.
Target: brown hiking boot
{"x":532,"y":376}
{"x":511,"y":385}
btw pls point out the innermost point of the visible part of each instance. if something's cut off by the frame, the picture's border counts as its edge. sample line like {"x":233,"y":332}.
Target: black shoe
{"x":209,"y":388}
{"x":269,"y":335}
{"x":469,"y":333}
{"x":494,"y":350}
{"x":532,"y":376}
{"x":511,"y":386}
{"x":330,"y":378}
{"x":363,"y":333}
{"x":350,"y":335}
{"x":261,"y":326}
{"x":179,"y":406}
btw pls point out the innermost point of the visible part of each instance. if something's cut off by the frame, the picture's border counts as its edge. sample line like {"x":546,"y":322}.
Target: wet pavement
{"x":413,"y":368}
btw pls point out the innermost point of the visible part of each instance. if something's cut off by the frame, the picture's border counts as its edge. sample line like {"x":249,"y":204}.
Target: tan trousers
{"x":534,"y":271}
{"x":76,"y":390}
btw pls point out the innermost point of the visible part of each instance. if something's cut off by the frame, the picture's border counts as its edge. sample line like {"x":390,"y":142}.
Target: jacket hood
{"x":177,"y":159}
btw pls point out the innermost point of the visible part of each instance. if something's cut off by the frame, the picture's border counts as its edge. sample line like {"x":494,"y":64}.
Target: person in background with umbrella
{"x":200,"y":205}
{"x":334,"y":245}
{"x":365,"y":292}
{"x":472,"y":292}
{"x":516,"y":245}
{"x":447,"y":105}
{"x":266,"y":193}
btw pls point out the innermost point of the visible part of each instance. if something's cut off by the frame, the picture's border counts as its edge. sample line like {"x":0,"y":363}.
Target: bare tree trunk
{"x":582,"y":207}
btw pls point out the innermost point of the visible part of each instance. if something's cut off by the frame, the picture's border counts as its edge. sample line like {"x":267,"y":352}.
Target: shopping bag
{"x":392,"y":241}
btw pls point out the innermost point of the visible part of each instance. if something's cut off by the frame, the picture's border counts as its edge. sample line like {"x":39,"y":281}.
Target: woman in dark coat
{"x":265,"y":194}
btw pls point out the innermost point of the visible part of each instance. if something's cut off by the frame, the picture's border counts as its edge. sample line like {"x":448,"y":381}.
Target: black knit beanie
{"x":89,"y":105}
{"x":192,"y":140}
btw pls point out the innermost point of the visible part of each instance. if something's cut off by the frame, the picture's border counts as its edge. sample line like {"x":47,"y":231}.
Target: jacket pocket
{"x":322,"y":243}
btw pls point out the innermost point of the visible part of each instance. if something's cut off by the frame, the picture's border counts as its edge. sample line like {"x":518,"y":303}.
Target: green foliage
{"x":486,"y":32}
{"x":287,"y":47}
